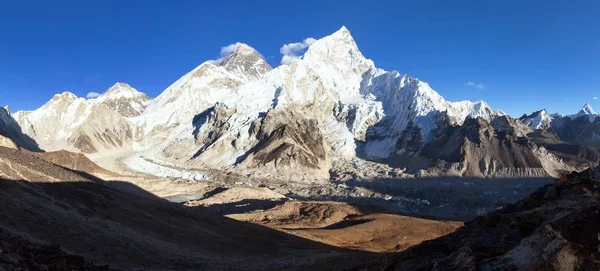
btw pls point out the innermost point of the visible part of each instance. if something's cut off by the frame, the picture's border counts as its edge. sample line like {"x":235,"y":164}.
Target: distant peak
{"x":66,"y":95}
{"x":120,"y":85}
{"x":245,"y":62}
{"x":587,"y":109}
{"x":241,"y":50}
{"x":242,"y":47}
{"x":7,"y":109}
{"x":119,"y":90}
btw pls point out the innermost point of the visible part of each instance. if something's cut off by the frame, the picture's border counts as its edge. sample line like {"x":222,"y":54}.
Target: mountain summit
{"x":537,"y":120}
{"x":246,"y":63}
{"x":586,"y":110}
{"x":124,"y":99}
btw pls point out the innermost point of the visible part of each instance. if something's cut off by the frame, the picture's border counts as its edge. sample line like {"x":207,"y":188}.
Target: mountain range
{"x":322,"y":113}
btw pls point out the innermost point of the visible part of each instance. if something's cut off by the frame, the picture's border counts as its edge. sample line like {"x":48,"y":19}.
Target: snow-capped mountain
{"x":246,"y":63}
{"x":542,"y":119}
{"x":331,"y":105}
{"x":10,"y":133}
{"x":124,"y":99}
{"x":586,"y":110}
{"x":86,"y":125}
{"x":537,"y":120}
{"x":170,"y":115}
{"x":333,"y":89}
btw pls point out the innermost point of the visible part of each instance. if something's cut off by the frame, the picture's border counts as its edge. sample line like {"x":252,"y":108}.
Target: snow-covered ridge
{"x":537,"y":120}
{"x":586,"y":110}
{"x":344,"y":95}
{"x":369,"y":104}
{"x":542,"y":119}
{"x":89,"y":125}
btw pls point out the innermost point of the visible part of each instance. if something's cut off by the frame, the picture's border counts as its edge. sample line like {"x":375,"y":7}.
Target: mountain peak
{"x":65,"y":95}
{"x":338,"y":49}
{"x":246,"y":63}
{"x":344,"y":35}
{"x":118,"y":85}
{"x":244,"y":48}
{"x":343,"y":31}
{"x":124,"y":99}
{"x":587,"y":109}
{"x":121,"y":90}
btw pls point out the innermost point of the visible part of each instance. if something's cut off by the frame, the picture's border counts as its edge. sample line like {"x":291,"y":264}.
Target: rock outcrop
{"x":11,"y":134}
{"x":555,"y":228}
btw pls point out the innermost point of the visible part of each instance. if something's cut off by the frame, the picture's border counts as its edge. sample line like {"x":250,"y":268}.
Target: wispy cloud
{"x":226,"y":51}
{"x":93,"y":95}
{"x":595,"y":98}
{"x":294,"y":50}
{"x":472,"y":84}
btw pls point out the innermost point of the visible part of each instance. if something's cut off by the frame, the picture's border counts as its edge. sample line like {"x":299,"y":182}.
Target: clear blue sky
{"x":527,"y":54}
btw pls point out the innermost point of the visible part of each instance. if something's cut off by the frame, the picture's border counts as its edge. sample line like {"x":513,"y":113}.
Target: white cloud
{"x":595,"y":98}
{"x":227,"y":50}
{"x":93,"y":95}
{"x":472,"y":84}
{"x":294,"y":50}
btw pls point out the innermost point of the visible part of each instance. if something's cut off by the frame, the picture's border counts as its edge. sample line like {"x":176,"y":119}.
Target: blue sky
{"x":519,"y":56}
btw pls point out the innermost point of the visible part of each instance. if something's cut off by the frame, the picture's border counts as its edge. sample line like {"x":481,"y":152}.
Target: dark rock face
{"x":18,"y":253}
{"x":9,"y":128}
{"x":477,"y":141}
{"x":289,"y":140}
{"x":579,"y":131}
{"x":555,"y":228}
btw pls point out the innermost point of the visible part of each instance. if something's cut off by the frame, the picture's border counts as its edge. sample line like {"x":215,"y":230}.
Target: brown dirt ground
{"x":345,"y":226}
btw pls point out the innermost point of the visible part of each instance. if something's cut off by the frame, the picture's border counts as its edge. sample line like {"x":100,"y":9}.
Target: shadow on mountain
{"x":439,"y":198}
{"x":108,"y":226}
{"x":122,"y":186}
{"x":243,"y":206}
{"x":336,"y":226}
{"x":346,"y":223}
{"x":554,"y":228}
{"x":13,"y":131}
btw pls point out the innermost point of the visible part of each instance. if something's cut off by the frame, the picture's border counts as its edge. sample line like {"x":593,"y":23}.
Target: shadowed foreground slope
{"x":555,"y":228}
{"x":45,"y":206}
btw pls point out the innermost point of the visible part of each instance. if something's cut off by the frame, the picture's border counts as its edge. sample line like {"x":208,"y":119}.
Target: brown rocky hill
{"x":555,"y":228}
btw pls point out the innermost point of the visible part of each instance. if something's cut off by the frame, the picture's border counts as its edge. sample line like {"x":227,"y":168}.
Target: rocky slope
{"x":11,"y":135}
{"x":56,"y":213}
{"x":476,"y":148}
{"x":581,"y":129}
{"x":555,"y":228}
